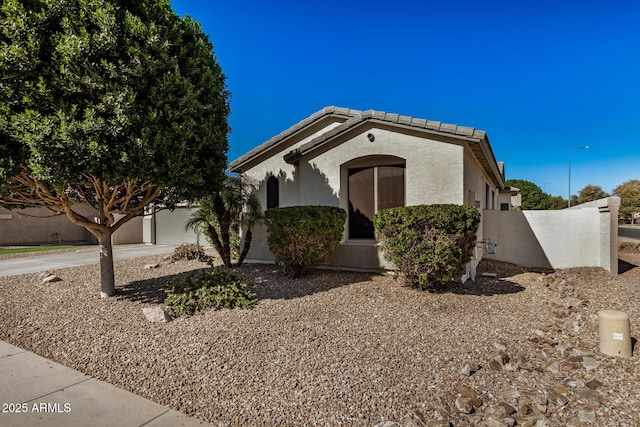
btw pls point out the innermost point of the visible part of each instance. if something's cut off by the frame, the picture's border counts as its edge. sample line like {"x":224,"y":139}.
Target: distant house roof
{"x":477,"y":139}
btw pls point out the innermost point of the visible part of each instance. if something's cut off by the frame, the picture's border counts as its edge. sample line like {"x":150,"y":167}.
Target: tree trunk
{"x":213,"y":237}
{"x":225,"y":237}
{"x":223,"y":217}
{"x":245,"y":247}
{"x":107,"y":278}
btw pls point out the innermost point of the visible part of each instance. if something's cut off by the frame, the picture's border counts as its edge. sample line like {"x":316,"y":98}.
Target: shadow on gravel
{"x":484,"y":286}
{"x":624,"y":266}
{"x":149,"y":291}
{"x":270,"y":283}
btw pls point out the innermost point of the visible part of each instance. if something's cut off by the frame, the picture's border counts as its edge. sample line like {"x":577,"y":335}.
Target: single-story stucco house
{"x":364,"y":161}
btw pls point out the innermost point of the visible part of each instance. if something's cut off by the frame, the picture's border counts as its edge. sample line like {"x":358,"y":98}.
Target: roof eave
{"x":238,"y":164}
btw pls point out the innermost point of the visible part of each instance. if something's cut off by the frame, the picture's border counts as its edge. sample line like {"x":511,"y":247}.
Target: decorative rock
{"x":569,"y":303}
{"x":494,"y":365}
{"x":52,"y":278}
{"x":493,"y":422}
{"x":500,"y":346}
{"x":464,"y":405}
{"x":149,"y":266}
{"x":503,"y":358}
{"x":559,"y":399}
{"x":408,"y":421}
{"x":466,"y":370}
{"x":469,"y":369}
{"x":572,"y":383}
{"x":538,"y":402}
{"x":441,"y":409}
{"x":554,"y":367}
{"x":586,"y":416}
{"x":512,"y":367}
{"x":476,"y":402}
{"x":589,"y":395}
{"x":590,"y":363}
{"x":157,"y":314}
{"x":594,"y":384}
{"x":466,"y":391}
{"x":503,"y":410}
{"x":524,"y":409}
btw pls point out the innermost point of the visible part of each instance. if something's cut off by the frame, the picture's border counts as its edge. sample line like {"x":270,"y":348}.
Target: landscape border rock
{"x":160,"y":314}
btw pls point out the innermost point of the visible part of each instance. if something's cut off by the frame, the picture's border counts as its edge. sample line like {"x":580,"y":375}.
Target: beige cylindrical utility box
{"x":613,"y":329}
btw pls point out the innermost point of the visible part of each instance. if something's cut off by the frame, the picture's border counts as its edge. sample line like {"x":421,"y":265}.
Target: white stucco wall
{"x":583,"y":236}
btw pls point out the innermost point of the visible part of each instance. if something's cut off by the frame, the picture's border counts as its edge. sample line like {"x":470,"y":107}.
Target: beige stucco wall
{"x":286,"y":173}
{"x":18,"y":229}
{"x":129,"y":232}
{"x":583,"y":236}
{"x":432,"y":172}
{"x":436,"y":172}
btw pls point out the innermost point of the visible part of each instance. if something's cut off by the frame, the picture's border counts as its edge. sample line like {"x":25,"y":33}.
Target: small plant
{"x":429,"y":245}
{"x":217,"y":288}
{"x":188,"y":251}
{"x":303,"y":236}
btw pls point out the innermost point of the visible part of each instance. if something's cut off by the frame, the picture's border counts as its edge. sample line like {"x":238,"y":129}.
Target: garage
{"x":169,"y":228}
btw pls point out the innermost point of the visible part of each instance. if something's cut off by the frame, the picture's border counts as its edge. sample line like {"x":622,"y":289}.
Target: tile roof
{"x":478,"y":140}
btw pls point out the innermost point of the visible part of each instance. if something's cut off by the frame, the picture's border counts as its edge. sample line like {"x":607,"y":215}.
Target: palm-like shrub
{"x":222,"y":214}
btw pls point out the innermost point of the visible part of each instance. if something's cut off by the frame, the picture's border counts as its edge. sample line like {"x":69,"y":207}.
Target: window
{"x":273,"y":192}
{"x":486,"y":196}
{"x":504,"y":206}
{"x":371,"y":189}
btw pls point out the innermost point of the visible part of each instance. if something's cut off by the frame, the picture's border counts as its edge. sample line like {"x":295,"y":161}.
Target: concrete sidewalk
{"x":35,"y":391}
{"x":44,"y":261}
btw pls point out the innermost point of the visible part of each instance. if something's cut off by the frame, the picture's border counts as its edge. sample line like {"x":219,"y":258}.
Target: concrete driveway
{"x":45,"y":262}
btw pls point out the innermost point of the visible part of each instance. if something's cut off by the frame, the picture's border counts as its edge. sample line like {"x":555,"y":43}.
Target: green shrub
{"x":301,"y":237}
{"x":219,"y":287}
{"x":188,"y":251}
{"x":429,"y":245}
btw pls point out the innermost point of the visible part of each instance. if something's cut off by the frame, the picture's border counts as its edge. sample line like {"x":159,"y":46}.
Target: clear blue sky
{"x":541,"y":77}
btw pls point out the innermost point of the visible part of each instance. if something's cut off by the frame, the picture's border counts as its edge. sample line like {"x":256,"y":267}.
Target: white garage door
{"x":170,"y":228}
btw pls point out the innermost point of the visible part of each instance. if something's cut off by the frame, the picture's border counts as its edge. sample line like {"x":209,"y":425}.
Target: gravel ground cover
{"x":347,"y":349}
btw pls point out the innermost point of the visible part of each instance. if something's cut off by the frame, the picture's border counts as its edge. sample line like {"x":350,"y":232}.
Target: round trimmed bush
{"x":429,"y":244}
{"x":301,"y":237}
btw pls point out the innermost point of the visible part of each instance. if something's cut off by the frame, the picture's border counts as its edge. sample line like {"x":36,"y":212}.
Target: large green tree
{"x":114,"y":103}
{"x":629,"y":193}
{"x":590,"y":193}
{"x":532,"y":196}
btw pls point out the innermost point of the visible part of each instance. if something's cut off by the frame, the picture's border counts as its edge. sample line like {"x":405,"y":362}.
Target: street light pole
{"x":570,"y":154}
